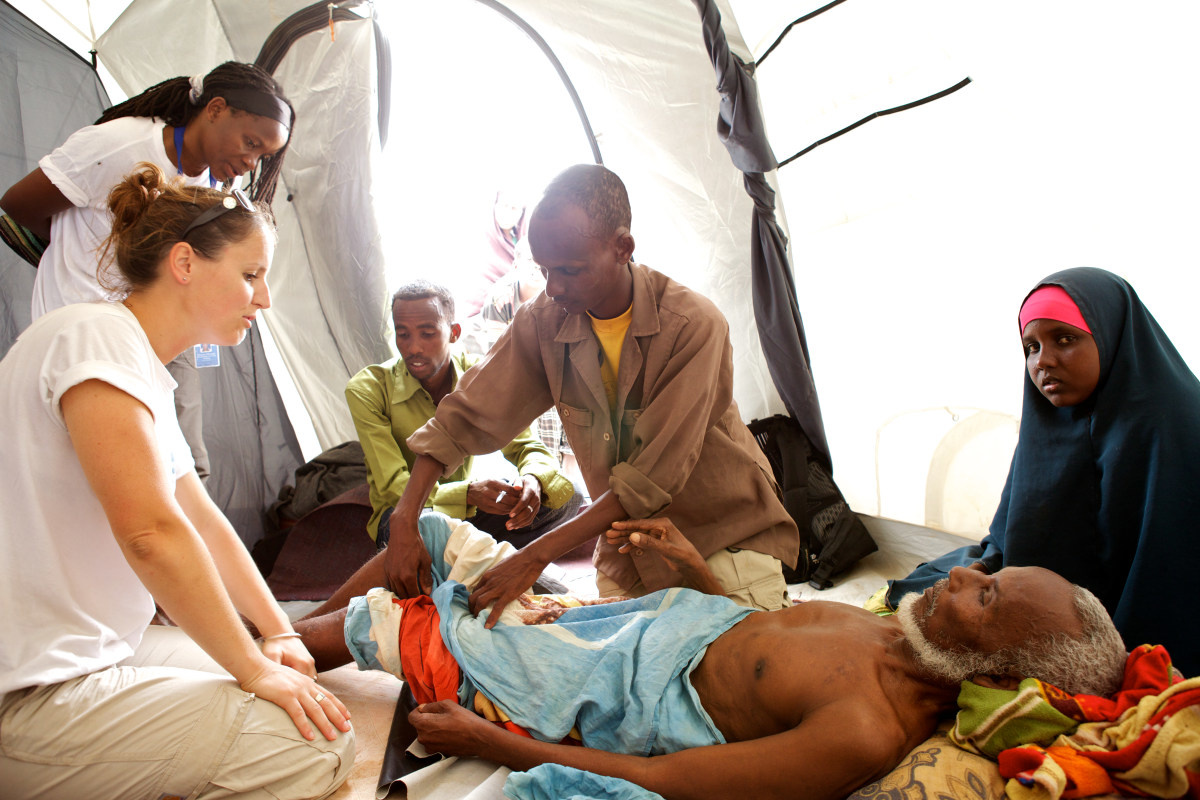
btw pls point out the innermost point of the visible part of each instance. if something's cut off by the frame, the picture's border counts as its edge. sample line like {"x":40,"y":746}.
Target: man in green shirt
{"x":390,"y":401}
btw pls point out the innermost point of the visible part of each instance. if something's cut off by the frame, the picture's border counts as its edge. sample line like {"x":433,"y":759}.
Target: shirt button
{"x":566,"y":412}
{"x":607,"y":437}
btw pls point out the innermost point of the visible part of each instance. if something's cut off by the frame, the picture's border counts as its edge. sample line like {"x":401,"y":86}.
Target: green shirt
{"x":388,"y":405}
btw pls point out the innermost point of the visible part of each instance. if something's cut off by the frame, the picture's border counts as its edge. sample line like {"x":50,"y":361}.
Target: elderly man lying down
{"x":687,"y":694}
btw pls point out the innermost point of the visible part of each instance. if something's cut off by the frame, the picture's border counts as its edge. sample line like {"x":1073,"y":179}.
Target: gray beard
{"x":940,"y":663}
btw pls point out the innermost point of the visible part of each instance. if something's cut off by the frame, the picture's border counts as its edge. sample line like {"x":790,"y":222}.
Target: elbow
{"x":142,"y":546}
{"x":148,"y":544}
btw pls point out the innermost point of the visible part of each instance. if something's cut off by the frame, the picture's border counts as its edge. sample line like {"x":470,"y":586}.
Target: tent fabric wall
{"x":780,"y":329}
{"x":46,"y":92}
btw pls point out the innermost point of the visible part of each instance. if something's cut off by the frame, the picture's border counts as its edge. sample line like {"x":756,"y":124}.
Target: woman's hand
{"x":448,"y":728}
{"x":290,"y":652}
{"x":302,"y":699}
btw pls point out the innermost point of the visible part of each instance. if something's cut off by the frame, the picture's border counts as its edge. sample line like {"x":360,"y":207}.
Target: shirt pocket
{"x":577,"y":425}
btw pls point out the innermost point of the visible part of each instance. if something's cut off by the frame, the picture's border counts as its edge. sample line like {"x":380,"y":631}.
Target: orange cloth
{"x":430,"y":669}
{"x":1084,"y":776}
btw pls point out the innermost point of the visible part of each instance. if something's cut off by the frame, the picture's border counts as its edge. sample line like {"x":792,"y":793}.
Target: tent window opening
{"x":480,"y":122}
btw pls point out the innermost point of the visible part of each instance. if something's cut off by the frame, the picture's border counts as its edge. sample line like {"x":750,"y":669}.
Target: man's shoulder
{"x":373,"y":377}
{"x":465,"y":360}
{"x":673,"y":297}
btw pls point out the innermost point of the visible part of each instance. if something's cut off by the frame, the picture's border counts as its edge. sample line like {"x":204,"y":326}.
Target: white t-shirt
{"x":85,"y":169}
{"x":72,"y":604}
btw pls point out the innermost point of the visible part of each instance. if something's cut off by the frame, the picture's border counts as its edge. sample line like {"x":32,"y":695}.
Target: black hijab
{"x":1107,"y":493}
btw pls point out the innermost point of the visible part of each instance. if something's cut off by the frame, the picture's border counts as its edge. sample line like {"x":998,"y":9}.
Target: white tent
{"x":912,"y":238}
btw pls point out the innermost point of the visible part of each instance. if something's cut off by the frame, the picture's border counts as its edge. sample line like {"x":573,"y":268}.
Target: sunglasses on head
{"x":228,"y":203}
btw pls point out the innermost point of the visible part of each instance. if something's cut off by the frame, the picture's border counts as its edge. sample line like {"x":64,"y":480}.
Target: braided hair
{"x":171,"y":102}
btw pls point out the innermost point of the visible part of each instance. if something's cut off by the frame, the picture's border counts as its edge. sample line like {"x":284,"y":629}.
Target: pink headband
{"x":1052,"y":302}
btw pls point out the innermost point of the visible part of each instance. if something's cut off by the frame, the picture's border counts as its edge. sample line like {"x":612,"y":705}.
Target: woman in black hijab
{"x":1104,"y":486}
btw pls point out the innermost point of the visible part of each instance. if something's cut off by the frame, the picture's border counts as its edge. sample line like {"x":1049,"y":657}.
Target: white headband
{"x":197,"y":82}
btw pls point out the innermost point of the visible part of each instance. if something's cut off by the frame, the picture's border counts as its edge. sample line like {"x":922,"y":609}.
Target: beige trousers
{"x":166,"y":723}
{"x":750,"y":579}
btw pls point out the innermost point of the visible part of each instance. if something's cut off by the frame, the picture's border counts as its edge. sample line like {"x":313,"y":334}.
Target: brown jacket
{"x":680,"y":448}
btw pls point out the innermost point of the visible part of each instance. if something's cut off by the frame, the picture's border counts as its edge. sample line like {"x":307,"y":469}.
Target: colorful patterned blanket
{"x":1144,"y":740}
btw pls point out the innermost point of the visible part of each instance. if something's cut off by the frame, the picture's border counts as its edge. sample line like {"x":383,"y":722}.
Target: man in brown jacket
{"x":640,"y":369}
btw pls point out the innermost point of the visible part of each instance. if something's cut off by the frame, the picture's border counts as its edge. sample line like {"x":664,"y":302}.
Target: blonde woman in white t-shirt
{"x":101,"y":514}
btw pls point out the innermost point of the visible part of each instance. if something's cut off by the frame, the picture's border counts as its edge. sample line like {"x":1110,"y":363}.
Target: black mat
{"x":397,"y":761}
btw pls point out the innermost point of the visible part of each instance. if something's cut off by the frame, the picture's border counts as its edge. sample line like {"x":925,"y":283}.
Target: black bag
{"x":832,"y":537}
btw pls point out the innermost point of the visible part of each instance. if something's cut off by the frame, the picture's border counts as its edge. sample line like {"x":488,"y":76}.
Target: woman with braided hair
{"x":208,"y":130}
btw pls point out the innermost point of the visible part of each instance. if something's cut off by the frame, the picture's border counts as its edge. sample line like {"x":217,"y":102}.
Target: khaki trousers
{"x":166,"y":723}
{"x":750,"y":579}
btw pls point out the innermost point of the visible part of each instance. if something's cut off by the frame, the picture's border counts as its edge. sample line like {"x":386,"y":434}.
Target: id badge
{"x":207,"y":355}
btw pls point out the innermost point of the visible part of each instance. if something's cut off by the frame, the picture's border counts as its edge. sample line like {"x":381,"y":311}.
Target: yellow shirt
{"x":611,"y":335}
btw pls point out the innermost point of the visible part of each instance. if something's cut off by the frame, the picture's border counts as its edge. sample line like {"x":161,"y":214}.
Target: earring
{"x":185,"y":280}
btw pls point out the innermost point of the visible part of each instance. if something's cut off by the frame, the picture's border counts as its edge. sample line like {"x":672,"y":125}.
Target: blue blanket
{"x":619,"y":671}
{"x":556,"y":782}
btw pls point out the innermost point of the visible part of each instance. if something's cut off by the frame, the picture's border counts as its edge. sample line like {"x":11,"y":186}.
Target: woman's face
{"x":232,"y":288}
{"x":1063,"y":361}
{"x":233,"y":140}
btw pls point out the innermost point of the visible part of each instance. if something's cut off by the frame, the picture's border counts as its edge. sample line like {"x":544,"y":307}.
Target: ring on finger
{"x":320,"y":697}
{"x":529,"y":509}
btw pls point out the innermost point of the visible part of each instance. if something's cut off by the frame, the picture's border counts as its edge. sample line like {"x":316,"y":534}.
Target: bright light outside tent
{"x":915,"y":237}
{"x":490,"y":115}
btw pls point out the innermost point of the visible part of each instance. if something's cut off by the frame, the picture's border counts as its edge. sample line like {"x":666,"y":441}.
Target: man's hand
{"x":448,"y":728}
{"x":298,"y":695}
{"x":520,"y":501}
{"x":406,"y":562}
{"x":493,"y":496}
{"x":659,"y":535}
{"x":504,"y":583}
{"x":529,"y":502}
{"x":290,"y":652}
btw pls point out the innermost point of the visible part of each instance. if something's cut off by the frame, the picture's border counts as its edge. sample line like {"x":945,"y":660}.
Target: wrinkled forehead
{"x":1036,"y":601}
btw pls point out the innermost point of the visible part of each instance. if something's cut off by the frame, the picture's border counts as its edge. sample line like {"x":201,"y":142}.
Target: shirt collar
{"x":406,"y":385}
{"x":644,"y":322}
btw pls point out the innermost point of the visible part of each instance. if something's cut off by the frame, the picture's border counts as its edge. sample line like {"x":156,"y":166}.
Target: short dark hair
{"x":422,"y":290}
{"x":595,"y":189}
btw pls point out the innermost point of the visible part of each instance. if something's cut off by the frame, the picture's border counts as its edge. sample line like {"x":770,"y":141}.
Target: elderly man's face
{"x":987,"y":613}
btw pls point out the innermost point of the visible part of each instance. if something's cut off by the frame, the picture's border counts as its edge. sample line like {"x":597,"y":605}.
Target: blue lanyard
{"x":212,"y":182}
